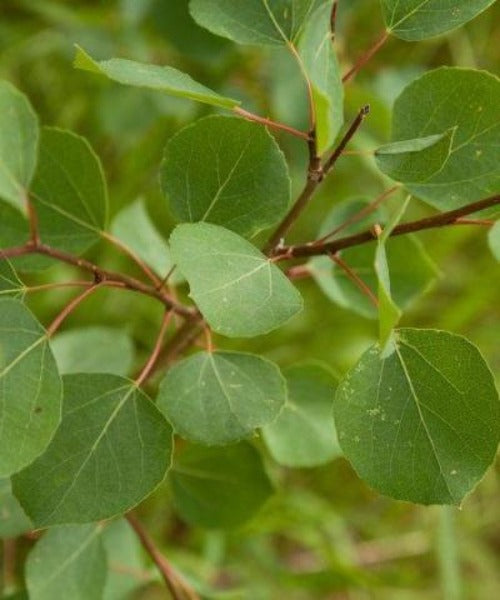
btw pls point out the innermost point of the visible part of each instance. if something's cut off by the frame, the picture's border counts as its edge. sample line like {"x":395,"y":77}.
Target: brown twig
{"x":149,"y":366}
{"x":355,"y":278}
{"x":333,"y":19}
{"x":363,"y":59}
{"x":270,"y":123}
{"x":69,"y":308}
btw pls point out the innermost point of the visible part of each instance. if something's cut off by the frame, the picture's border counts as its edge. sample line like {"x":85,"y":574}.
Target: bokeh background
{"x":324,"y":534}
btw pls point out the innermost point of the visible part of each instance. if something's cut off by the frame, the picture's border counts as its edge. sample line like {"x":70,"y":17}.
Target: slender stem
{"x":364,"y":58}
{"x":183,"y":338}
{"x":333,"y":19}
{"x":298,"y":272}
{"x":131,"y":254}
{"x":439,"y":220}
{"x":355,"y":278}
{"x":164,"y":281}
{"x":178,"y":587}
{"x":482,"y":222}
{"x":269,"y":123}
{"x":57,"y":286}
{"x":33,"y":222}
{"x":148,"y":367}
{"x":69,"y":308}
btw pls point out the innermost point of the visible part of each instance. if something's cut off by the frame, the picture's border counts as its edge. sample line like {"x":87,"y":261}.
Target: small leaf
{"x":221,"y":397}
{"x":266,"y":22}
{"x":18,"y":145}
{"x":93,"y":350}
{"x":164,"y":79}
{"x":13,"y":521}
{"x":134,"y":227}
{"x":240,"y":292}
{"x":67,"y":562}
{"x":111,"y":451}
{"x":494,"y":240}
{"x":69,"y":192}
{"x":304,"y":433}
{"x":423,"y":423}
{"x":320,"y":62}
{"x":30,"y":388}
{"x":227,"y":171}
{"x":415,"y":161}
{"x":414,"y":20}
{"x":450,"y":99}
{"x":219,"y":487}
{"x":10,"y":284}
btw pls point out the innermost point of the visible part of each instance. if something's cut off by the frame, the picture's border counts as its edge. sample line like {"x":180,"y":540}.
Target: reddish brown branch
{"x":270,"y":123}
{"x":362,"y":60}
{"x":355,"y":278}
{"x":69,"y":308}
{"x":149,"y":366}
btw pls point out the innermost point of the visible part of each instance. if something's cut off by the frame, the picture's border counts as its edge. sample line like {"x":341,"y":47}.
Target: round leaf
{"x":422,"y":423}
{"x":112,"y":449}
{"x":221,"y":397}
{"x":227,"y":171}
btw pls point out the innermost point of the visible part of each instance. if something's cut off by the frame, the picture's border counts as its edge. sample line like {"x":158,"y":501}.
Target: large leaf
{"x":268,"y":22}
{"x":69,"y":191}
{"x":227,"y":171}
{"x":446,"y":100}
{"x":93,"y":350}
{"x":112,"y":449}
{"x":414,"y":20}
{"x":10,"y":284}
{"x":155,"y":77}
{"x":240,"y":292}
{"x":219,"y":487}
{"x":320,"y":61}
{"x":68,"y":562}
{"x":18,"y":145}
{"x":411,"y":271}
{"x":13,"y":521}
{"x":304,"y":433}
{"x":494,"y":240}
{"x":423,"y":423}
{"x":30,"y":388}
{"x":221,"y":397}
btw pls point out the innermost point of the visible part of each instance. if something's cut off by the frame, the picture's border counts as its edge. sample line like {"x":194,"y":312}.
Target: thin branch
{"x":69,"y":308}
{"x":33,"y":222}
{"x":183,"y":338}
{"x":355,"y":278}
{"x":439,"y":220}
{"x":57,"y":286}
{"x":333,"y":20}
{"x":270,"y":123}
{"x":482,"y":222}
{"x":149,"y":366}
{"x":363,"y":59}
{"x":178,"y":587}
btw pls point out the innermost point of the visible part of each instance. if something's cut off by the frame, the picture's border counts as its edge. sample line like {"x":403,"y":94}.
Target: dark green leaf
{"x":10,"y":284}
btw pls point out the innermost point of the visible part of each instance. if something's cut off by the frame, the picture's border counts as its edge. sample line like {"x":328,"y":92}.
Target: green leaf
{"x":240,"y":292}
{"x":219,"y":487}
{"x":30,"y":388}
{"x":320,"y":62}
{"x":18,"y":145}
{"x":10,"y":284}
{"x":494,"y":240}
{"x":411,"y":270}
{"x":440,"y":101}
{"x":304,"y":433}
{"x":134,"y":227}
{"x":93,"y":350}
{"x":69,"y":192}
{"x":226,"y":171}
{"x":221,"y":397}
{"x":13,"y":521}
{"x":267,"y":22}
{"x":414,"y":20}
{"x":415,"y":161}
{"x":112,"y":449}
{"x":155,"y":77}
{"x":423,"y":423}
{"x":67,"y":562}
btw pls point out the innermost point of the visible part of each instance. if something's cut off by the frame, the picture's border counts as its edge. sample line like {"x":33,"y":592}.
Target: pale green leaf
{"x":10,"y":284}
{"x":240,"y":292}
{"x":304,"y":433}
{"x":18,"y":145}
{"x":219,"y":487}
{"x":446,"y":99}
{"x":67,"y":562}
{"x":494,"y":240}
{"x":423,"y":423}
{"x":30,"y":388}
{"x":221,"y":397}
{"x":93,"y":350}
{"x":134,"y":227}
{"x":69,"y":192}
{"x":268,"y":22}
{"x":320,"y":61}
{"x":413,"y":20}
{"x":227,"y":171}
{"x":112,"y":449}
{"x":155,"y":77}
{"x":13,"y":521}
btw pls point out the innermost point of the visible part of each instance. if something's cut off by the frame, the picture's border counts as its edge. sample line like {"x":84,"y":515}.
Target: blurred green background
{"x":324,"y":535}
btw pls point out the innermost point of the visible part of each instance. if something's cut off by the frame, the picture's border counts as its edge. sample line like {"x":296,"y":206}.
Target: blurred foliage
{"x":325,"y":535}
